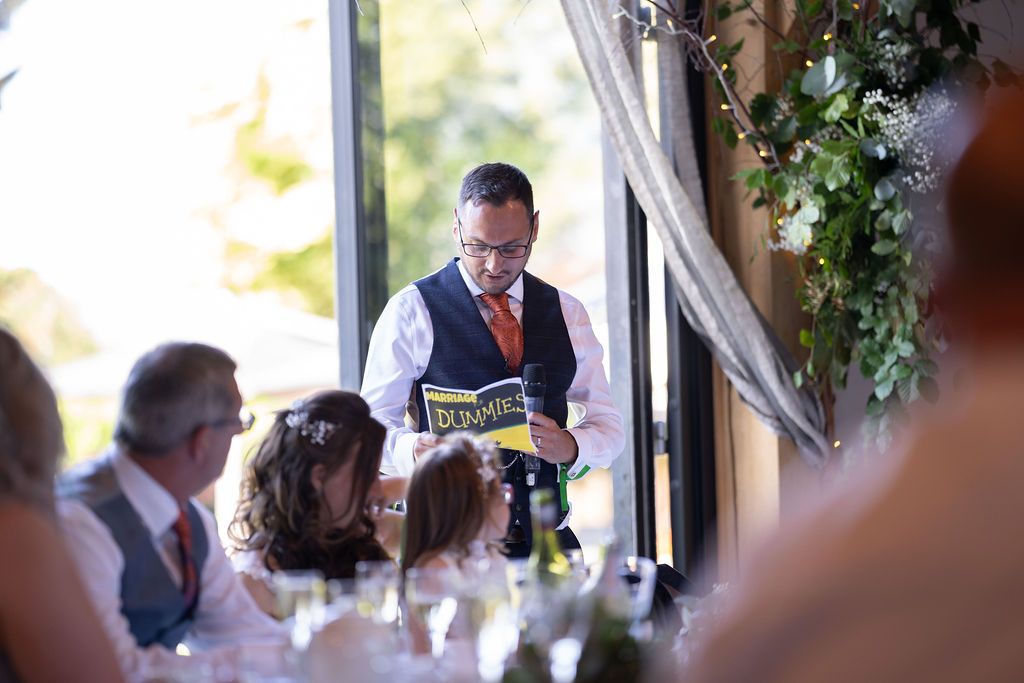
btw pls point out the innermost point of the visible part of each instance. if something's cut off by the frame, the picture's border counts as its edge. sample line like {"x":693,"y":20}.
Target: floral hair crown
{"x":318,"y":431}
{"x":488,"y":469}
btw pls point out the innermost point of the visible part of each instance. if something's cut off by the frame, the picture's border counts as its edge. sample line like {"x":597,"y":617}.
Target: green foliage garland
{"x":851,"y":145}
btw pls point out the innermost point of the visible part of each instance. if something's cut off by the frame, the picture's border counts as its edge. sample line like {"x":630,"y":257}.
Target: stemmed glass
{"x":301,"y":596}
{"x":642,"y":574}
{"x":377,"y":591}
{"x":432,"y":597}
{"x":493,"y":617}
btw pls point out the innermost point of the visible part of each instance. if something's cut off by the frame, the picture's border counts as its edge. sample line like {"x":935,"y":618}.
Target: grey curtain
{"x":713,"y":301}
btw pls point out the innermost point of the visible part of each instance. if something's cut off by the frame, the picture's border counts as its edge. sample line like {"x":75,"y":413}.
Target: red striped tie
{"x":505,"y":330}
{"x":189,"y":582}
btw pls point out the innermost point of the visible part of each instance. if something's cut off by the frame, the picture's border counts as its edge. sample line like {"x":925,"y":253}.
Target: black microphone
{"x":535,"y":384}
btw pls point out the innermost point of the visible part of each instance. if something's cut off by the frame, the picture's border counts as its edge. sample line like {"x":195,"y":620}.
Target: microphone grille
{"x":533,"y":373}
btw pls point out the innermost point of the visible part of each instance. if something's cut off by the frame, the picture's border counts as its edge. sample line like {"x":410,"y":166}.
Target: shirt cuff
{"x":402,"y":457}
{"x":583,"y":454}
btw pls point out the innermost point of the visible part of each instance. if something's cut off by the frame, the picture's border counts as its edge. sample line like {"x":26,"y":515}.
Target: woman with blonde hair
{"x":312,"y":496}
{"x":457,"y":505}
{"x":43,"y":604}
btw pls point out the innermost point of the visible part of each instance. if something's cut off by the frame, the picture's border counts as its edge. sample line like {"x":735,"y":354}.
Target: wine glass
{"x":302,"y":597}
{"x":493,"y":617}
{"x":432,"y":598}
{"x":377,"y":591}
{"x":641,"y":574}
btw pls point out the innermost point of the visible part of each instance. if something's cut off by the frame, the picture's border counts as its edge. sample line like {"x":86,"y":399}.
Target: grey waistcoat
{"x":151,"y":600}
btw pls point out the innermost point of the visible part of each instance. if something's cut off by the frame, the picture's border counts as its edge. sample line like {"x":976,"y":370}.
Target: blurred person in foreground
{"x":148,"y":552}
{"x":480,"y":319}
{"x":44,"y":608}
{"x":312,"y":496}
{"x":915,"y":572}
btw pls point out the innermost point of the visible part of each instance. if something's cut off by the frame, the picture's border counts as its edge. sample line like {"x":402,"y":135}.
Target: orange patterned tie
{"x":189,"y":582}
{"x":505,"y":329}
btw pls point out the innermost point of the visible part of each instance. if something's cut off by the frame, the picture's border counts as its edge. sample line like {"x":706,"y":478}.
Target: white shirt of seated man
{"x":226,"y":615}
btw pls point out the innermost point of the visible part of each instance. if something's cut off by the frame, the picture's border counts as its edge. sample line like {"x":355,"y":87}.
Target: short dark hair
{"x":497,"y":184}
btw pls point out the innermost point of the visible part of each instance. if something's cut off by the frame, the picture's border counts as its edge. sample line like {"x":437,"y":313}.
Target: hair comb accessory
{"x":318,"y":431}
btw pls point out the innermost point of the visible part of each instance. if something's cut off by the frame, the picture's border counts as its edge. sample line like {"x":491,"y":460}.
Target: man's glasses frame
{"x":474,"y":250}
{"x":244,"y":420}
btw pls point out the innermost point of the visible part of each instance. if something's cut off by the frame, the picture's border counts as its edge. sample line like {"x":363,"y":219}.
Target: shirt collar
{"x":514,"y":292}
{"x":154,"y":504}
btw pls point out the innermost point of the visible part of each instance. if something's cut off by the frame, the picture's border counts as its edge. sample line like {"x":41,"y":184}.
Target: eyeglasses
{"x":244,"y":420}
{"x":509,"y":493}
{"x":484,"y":250}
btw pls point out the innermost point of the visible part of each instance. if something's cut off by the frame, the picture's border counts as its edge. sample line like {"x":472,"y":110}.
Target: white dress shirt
{"x":226,"y":614}
{"x":400,"y":350}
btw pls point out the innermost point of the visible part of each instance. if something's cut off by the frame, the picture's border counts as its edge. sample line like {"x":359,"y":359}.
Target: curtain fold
{"x":712,"y":300}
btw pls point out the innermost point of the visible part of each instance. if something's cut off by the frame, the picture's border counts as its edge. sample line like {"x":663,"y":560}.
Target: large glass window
{"x":167,"y":174}
{"x":501,"y":82}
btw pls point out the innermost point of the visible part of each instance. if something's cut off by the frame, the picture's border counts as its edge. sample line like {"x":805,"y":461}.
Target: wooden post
{"x":748,"y":457}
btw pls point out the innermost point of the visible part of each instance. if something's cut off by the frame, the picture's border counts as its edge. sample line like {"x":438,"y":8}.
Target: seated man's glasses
{"x":244,"y":420}
{"x":484,"y":250}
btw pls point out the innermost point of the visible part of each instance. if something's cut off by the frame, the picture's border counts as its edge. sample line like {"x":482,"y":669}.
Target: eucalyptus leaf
{"x":884,"y":247}
{"x":901,"y":9}
{"x":819,"y":78}
{"x":901,"y":221}
{"x":883,"y":390}
{"x":838,"y":175}
{"x":884,"y":190}
{"x":884,"y":221}
{"x":870,"y":147}
{"x":836,"y":108}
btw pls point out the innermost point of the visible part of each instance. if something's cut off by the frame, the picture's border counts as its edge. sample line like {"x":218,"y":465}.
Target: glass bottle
{"x":547,"y":565}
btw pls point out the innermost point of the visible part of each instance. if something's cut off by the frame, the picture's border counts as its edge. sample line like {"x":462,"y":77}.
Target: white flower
{"x":318,"y":431}
{"x":914,"y":128}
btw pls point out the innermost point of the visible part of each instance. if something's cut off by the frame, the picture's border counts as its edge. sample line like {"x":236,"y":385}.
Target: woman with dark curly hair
{"x":312,"y":496}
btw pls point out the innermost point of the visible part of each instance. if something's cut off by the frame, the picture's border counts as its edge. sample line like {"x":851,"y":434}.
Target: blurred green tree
{"x":44,"y":321}
{"x":450,"y":103}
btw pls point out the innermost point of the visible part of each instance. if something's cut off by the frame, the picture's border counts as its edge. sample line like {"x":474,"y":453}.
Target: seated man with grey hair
{"x":148,"y":553}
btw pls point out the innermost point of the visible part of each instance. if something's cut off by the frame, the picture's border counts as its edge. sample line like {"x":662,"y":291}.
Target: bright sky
{"x":108,"y":167}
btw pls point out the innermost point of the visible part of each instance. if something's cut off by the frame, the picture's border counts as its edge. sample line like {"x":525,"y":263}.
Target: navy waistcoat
{"x":465,"y":356}
{"x":151,"y":600}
